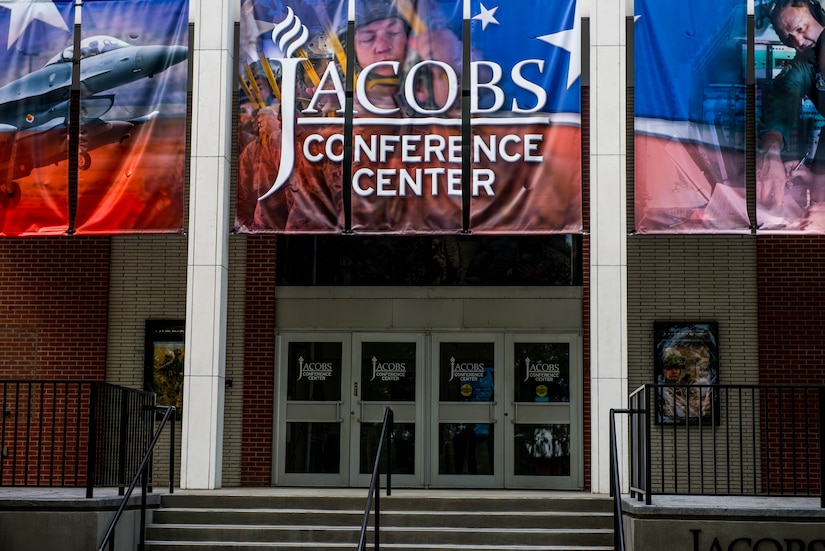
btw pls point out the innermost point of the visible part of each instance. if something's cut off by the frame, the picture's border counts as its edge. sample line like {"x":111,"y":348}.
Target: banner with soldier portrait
{"x":407,"y":116}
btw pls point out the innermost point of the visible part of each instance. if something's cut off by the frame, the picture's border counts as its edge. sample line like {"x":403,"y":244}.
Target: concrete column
{"x":608,"y":237}
{"x":207,"y":267}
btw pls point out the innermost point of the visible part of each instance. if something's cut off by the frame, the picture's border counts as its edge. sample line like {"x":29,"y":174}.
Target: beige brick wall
{"x":148,"y":281}
{"x":696,"y":278}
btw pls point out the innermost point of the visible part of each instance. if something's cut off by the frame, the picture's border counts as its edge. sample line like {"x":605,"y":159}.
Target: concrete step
{"x":278,"y":546}
{"x":221,"y":546}
{"x":410,"y":520}
{"x":333,"y":517}
{"x":389,"y":534}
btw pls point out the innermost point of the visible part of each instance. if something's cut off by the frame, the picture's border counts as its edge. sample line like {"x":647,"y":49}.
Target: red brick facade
{"x":54,"y":300}
{"x":791,"y":287}
{"x":53,"y":321}
{"x":259,"y":362}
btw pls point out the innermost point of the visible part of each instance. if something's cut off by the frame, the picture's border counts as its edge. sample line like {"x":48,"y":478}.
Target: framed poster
{"x":686,"y":364}
{"x":163,"y":361}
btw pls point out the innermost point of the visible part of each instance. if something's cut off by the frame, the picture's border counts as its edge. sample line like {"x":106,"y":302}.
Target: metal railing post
{"x":822,"y":447}
{"x":647,"y":451}
{"x":91,"y":446}
{"x":172,"y":457}
{"x":124,"y":428}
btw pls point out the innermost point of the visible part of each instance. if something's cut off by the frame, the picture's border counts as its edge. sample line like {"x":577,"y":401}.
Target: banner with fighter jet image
{"x":132,"y":154}
{"x":34,"y":108}
{"x":690,"y":99}
{"x":390,"y":147}
{"x":111,"y":159}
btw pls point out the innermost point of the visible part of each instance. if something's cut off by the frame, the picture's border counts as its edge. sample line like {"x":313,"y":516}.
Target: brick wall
{"x":791,"y":299}
{"x":53,"y":307}
{"x":259,"y":362}
{"x":585,"y":264}
{"x":695,"y":278}
{"x":53,"y":317}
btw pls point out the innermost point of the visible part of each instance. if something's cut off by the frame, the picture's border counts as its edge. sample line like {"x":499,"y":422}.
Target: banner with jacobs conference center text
{"x":690,"y":97}
{"x":392,"y":159}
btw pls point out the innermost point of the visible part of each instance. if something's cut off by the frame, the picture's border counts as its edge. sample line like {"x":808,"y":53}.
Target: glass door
{"x":544,"y":432}
{"x":313,"y":411}
{"x":467,"y":438}
{"x":387,"y":372}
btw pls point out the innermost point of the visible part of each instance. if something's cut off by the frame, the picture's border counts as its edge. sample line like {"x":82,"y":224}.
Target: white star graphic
{"x":569,"y":40}
{"x":486,"y":16}
{"x":253,"y":29}
{"x":23,"y":12}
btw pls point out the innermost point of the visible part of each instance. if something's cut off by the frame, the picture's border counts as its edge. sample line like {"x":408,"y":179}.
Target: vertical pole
{"x":822,"y":447}
{"x":376,"y":543}
{"x":647,"y":458}
{"x":172,"y":414}
{"x":144,"y":487}
{"x":124,"y":427}
{"x":390,"y":439}
{"x":91,"y":444}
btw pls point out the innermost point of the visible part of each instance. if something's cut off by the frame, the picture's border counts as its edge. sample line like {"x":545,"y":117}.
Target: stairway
{"x":415,"y":520}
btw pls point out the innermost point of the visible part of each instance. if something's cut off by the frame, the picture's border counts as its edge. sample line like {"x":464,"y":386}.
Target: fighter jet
{"x":30,"y":105}
{"x":105,"y":63}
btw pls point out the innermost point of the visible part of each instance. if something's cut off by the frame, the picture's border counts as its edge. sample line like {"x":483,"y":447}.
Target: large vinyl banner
{"x":127,"y":134}
{"x":34,"y":106}
{"x":133,"y":116}
{"x":690,"y":102}
{"x":384,"y":140}
{"x":790,"y":160}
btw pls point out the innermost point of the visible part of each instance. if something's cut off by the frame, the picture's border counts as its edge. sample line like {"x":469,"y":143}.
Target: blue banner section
{"x":690,"y":97}
{"x":512,"y":33}
{"x":681,"y":48}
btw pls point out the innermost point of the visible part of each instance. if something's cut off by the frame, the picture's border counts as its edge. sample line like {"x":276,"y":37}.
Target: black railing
{"x":142,"y":474}
{"x":616,"y":479}
{"x":72,"y":433}
{"x":375,"y":483}
{"x":726,"y":440}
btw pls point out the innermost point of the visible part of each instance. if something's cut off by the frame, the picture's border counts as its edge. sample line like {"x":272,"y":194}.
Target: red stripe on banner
{"x":676,"y":190}
{"x":542,"y":195}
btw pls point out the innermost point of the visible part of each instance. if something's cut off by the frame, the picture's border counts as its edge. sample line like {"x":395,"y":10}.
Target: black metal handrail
{"x":616,"y":480}
{"x":142,"y":474}
{"x":375,"y":482}
{"x":61,"y":433}
{"x":726,"y":440}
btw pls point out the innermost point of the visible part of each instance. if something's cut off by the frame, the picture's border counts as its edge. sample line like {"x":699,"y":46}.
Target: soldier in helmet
{"x":383,"y":33}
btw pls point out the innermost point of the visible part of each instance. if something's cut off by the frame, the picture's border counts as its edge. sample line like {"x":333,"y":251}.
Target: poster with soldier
{"x":164,"y":357}
{"x":686,"y":363}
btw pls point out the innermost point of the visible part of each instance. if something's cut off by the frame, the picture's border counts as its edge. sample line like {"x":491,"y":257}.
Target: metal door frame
{"x":308,"y":411}
{"x":374,"y":411}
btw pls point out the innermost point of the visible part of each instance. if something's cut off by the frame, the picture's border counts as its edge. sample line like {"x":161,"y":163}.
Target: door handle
{"x":514,"y":420}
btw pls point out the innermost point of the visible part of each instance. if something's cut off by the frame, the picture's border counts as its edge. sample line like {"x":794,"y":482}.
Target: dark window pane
{"x":542,"y":450}
{"x":313,"y":447}
{"x":360,"y":260}
{"x":314,"y":371}
{"x":403,"y":452}
{"x":466,"y":372}
{"x":465,"y":448}
{"x":542,"y":372}
{"x":388,"y":371}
